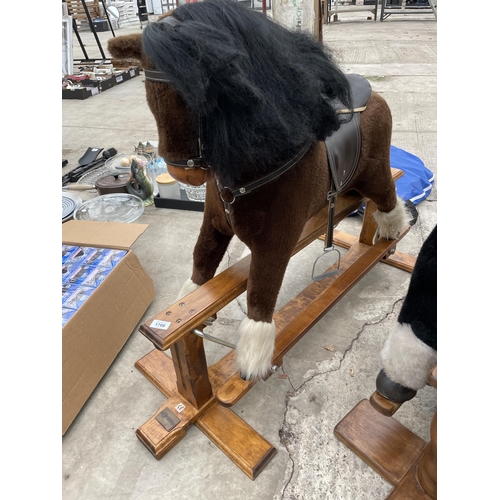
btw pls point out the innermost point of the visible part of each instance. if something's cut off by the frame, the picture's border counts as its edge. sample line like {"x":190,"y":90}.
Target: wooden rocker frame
{"x":202,"y":395}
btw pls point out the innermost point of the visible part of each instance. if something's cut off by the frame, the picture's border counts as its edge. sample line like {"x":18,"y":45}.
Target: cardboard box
{"x":81,"y":93}
{"x":95,"y":334}
{"x":125,"y":74}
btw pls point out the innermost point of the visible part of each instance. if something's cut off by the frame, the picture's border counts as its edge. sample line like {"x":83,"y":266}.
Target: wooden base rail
{"x":202,"y":395}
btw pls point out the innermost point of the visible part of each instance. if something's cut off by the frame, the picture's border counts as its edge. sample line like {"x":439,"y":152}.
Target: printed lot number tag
{"x":160,"y":325}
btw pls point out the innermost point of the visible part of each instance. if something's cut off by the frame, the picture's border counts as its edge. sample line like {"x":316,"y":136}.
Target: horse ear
{"x":126,"y":47}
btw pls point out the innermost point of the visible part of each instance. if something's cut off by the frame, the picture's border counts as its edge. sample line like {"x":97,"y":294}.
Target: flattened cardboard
{"x":96,"y":333}
{"x":89,"y":233}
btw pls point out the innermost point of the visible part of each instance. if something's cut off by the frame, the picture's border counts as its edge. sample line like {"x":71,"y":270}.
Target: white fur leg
{"x":188,"y":287}
{"x":255,"y":348}
{"x":391,"y":223}
{"x":406,"y":359}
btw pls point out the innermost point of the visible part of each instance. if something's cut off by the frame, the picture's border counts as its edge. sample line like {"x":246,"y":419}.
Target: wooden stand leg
{"x":369,"y":227}
{"x":242,"y":444}
{"x":190,"y":363}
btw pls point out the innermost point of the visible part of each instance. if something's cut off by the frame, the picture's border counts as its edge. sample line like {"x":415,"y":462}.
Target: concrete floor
{"x":297,"y":409}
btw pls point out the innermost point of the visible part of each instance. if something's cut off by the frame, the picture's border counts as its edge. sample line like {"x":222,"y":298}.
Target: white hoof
{"x":255,"y":348}
{"x":391,"y":223}
{"x":188,"y":287}
{"x":406,"y":359}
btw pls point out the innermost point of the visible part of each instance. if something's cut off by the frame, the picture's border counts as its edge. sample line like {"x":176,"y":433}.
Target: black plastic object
{"x":75,"y":174}
{"x":90,"y":156}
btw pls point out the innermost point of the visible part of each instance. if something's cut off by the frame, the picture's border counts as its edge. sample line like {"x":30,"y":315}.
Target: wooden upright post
{"x":318,"y":20}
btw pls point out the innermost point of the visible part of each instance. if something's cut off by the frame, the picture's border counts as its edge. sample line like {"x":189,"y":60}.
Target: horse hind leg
{"x":392,"y":222}
{"x":378,"y":185}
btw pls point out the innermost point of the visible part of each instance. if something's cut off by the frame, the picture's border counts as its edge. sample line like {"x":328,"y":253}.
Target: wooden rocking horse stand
{"x":202,"y":395}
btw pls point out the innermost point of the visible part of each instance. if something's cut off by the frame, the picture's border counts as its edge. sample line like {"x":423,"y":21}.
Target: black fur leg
{"x":393,"y":391}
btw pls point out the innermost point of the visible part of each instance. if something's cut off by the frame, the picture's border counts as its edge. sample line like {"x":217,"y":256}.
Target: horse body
{"x":269,"y":219}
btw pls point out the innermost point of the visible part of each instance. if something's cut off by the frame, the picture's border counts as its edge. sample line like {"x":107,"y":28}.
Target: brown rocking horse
{"x":264,"y":117}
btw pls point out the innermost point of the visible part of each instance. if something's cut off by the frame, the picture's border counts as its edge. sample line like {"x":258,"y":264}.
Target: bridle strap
{"x":156,"y":76}
{"x":228,"y":195}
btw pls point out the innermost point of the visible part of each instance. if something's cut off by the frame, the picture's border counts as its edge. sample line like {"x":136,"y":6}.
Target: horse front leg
{"x":207,"y":255}
{"x":257,"y":331}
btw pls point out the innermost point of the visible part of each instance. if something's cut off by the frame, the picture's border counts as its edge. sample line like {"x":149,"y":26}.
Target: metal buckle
{"x":227,"y":196}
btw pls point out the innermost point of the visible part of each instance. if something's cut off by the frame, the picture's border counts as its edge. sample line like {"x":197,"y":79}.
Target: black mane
{"x":261,"y":90}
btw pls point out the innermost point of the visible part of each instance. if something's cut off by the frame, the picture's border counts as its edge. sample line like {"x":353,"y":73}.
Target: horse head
{"x":233,"y":90}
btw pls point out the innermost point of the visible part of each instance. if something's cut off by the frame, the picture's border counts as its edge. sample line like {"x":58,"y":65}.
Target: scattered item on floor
{"x":168,"y":187}
{"x":90,"y":155}
{"x":64,"y":162}
{"x":103,"y":313}
{"x":79,"y":187}
{"x":147,"y":148}
{"x":195,"y":193}
{"x":416,"y":183}
{"x":116,"y":207}
{"x":94,"y":175}
{"x":70,"y":202}
{"x":68,"y":206}
{"x":121,"y":162}
{"x":78,"y":172}
{"x":140,"y":183}
{"x":93,"y":79}
{"x":114,"y":183}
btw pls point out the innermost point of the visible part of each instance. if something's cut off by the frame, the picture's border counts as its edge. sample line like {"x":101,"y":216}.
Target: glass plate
{"x":115,"y":207}
{"x":94,"y":175}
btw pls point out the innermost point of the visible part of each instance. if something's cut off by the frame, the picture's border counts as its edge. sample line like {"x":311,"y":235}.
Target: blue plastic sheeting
{"x":416,"y":183}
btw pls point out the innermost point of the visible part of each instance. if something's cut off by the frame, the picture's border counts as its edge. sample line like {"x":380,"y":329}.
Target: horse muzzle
{"x":195,"y":176}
